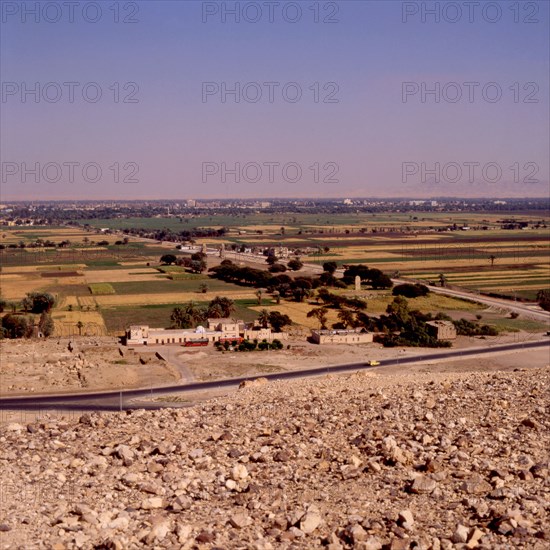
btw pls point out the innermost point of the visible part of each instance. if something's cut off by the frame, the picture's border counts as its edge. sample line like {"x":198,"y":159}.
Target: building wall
{"x":231,"y":327}
{"x":144,"y":335}
{"x":341,"y":337}
{"x":264,"y":334}
{"x":442,"y":330}
{"x":152,"y":336}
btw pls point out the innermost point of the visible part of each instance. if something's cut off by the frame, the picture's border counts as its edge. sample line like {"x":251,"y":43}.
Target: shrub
{"x":277,"y":268}
{"x":276,"y":344}
{"x":411,"y":290}
{"x":263,"y":345}
{"x":468,"y":328}
{"x":168,"y":259}
{"x":295,"y":265}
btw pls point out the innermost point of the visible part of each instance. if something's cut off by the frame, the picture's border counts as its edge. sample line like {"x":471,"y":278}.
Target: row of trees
{"x":34,"y":302}
{"x":249,"y":345}
{"x":297,"y":288}
{"x":186,"y":235}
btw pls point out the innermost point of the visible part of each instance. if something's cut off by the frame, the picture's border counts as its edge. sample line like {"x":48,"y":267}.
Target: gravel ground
{"x":363,"y":461}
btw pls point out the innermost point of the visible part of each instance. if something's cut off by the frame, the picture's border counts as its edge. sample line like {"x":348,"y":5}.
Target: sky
{"x":181,"y":99}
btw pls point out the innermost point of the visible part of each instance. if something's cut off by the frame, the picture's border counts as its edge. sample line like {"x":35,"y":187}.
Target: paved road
{"x":129,"y":399}
{"x":535,"y":312}
{"x":176,"y":357}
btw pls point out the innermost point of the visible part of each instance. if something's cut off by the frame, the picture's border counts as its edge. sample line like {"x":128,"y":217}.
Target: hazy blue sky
{"x":167,"y":134}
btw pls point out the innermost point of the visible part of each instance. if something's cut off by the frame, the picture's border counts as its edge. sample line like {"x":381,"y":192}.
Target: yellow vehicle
{"x":373,"y":363}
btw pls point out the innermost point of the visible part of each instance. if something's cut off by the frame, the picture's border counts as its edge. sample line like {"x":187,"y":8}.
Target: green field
{"x":117,"y":319}
{"x":168,"y":285}
{"x":130,"y":292}
{"x":329,"y":222}
{"x":100,"y":289}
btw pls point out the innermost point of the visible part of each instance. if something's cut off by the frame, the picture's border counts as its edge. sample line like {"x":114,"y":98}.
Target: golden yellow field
{"x":66,"y":323}
{"x":15,"y":287}
{"x":298,"y":313}
{"x":121,"y":275}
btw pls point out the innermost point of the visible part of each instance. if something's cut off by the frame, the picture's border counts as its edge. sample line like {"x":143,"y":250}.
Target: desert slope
{"x":359,"y":461}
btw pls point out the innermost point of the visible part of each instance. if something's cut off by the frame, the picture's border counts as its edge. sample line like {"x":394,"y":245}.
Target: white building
{"x":352,"y":336}
{"x":218,"y":330}
{"x":144,"y":335}
{"x":260,"y":333}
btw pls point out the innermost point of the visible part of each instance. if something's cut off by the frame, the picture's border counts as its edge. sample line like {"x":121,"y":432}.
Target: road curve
{"x":502,"y":303}
{"x":127,"y":399}
{"x":533,"y":312}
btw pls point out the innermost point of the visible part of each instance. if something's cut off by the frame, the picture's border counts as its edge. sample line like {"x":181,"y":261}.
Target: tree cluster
{"x":277,"y":320}
{"x":190,"y":314}
{"x":401,"y":326}
{"x":298,"y":288}
{"x":374,"y":277}
{"x":38,"y":302}
{"x":470,"y":328}
{"x":17,"y":325}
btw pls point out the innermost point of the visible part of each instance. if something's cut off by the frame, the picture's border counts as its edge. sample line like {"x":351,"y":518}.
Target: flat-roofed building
{"x":145,"y":335}
{"x":441,"y":330}
{"x":260,"y":333}
{"x":218,"y":330}
{"x":232,"y":327}
{"x":352,"y":336}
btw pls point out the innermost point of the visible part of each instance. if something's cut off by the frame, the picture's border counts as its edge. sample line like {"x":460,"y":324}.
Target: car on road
{"x":373,"y":363}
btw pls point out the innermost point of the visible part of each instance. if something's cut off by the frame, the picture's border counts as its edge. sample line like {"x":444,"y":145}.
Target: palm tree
{"x":194,"y":311}
{"x":226,"y":304}
{"x":188,"y":315}
{"x":263,"y":318}
{"x":79,"y":326}
{"x":442,"y":279}
{"x":492,"y":258}
{"x":215,"y":311}
{"x":259,"y":296}
{"x":179,"y":318}
{"x":321,"y":314}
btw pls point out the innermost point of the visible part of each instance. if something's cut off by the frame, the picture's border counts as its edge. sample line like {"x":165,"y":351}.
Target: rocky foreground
{"x":360,"y":461}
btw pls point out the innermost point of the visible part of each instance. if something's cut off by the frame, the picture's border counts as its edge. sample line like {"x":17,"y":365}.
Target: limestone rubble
{"x":357,"y":461}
